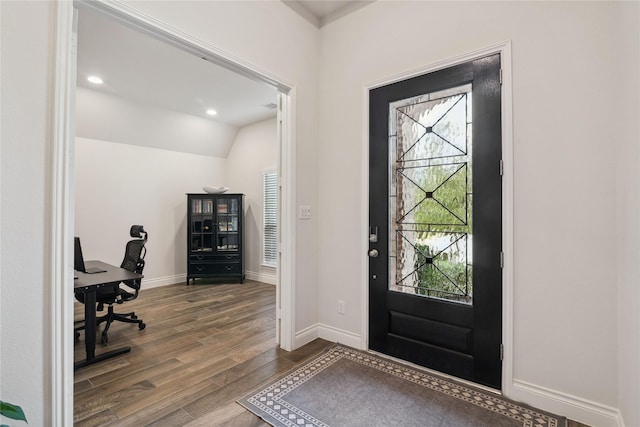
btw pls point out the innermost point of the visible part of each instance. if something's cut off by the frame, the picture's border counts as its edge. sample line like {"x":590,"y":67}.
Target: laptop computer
{"x":78,"y":259}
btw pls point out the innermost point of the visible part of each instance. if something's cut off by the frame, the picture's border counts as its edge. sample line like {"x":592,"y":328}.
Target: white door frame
{"x":62,"y":188}
{"x":504,"y":49}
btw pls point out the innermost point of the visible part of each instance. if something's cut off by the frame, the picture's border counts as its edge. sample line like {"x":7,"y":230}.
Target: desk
{"x":88,"y":284}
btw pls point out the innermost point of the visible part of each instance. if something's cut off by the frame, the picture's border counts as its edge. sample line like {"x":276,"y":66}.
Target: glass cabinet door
{"x":227,"y":224}
{"x":202,"y":225}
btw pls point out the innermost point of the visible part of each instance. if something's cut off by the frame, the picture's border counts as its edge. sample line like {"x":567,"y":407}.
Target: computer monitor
{"x":78,"y":259}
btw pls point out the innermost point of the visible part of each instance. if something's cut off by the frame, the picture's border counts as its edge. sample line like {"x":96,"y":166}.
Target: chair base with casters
{"x":111,"y":295}
{"x":111,"y":316}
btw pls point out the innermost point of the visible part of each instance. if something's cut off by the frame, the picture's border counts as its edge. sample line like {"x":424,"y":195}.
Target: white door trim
{"x":287,"y":222}
{"x":62,"y":190}
{"x":504,"y":49}
{"x":61,"y":215}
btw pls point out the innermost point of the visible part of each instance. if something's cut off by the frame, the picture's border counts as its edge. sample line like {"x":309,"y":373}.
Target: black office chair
{"x":133,"y":261}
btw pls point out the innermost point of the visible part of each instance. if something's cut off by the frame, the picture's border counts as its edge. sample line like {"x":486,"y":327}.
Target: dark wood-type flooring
{"x":205,"y":346}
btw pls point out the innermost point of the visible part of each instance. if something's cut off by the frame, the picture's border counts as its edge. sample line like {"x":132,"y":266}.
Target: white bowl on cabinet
{"x":214,"y":190}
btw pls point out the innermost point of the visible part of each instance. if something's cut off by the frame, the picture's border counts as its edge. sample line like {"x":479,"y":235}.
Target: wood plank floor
{"x":204,"y":347}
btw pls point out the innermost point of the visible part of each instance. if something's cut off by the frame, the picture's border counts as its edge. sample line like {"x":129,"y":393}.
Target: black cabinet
{"x":215,"y":236}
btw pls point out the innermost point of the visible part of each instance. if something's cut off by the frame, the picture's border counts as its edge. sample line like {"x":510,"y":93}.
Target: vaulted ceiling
{"x":145,"y":70}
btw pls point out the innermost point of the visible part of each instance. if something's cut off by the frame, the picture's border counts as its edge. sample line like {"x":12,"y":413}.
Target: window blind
{"x":270,"y":218}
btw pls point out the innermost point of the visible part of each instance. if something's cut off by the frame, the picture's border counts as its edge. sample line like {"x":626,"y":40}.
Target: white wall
{"x":26,"y":77}
{"x":254,"y":152}
{"x":565,"y":104}
{"x":118,"y":185}
{"x":110,"y":118}
{"x":625,"y":80}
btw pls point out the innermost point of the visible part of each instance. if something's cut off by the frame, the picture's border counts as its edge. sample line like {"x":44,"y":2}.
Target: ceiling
{"x":145,"y":70}
{"x":322,"y":12}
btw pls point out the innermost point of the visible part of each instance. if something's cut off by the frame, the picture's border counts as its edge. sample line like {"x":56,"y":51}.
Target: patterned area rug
{"x":347,"y":387}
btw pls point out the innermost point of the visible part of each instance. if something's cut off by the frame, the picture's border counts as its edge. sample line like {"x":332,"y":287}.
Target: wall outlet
{"x":341,"y":306}
{"x":304,"y":212}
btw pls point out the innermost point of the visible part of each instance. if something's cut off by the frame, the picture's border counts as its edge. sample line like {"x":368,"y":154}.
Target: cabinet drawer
{"x":220,"y":268}
{"x":227,"y":257}
{"x":215,"y":258}
{"x":203,"y":258}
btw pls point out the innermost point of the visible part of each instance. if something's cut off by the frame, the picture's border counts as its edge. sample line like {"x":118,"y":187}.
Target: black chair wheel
{"x":105,"y":339}
{"x":141,"y":325}
{"x":134,"y":317}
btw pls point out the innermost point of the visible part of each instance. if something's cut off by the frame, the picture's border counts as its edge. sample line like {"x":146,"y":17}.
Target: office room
{"x":154,"y":123}
{"x":571,"y":304}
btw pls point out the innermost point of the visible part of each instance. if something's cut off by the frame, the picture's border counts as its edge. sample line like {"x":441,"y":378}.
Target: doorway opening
{"x":63,"y":198}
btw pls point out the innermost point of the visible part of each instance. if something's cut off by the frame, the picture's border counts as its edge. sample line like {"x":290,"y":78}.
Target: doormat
{"x":347,"y":387}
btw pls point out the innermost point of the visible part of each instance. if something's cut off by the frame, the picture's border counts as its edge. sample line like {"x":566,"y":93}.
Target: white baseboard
{"x":572,"y":407}
{"x":261,"y":277}
{"x":305,"y":336}
{"x":156,"y":282}
{"x":347,"y":338}
{"x":328,"y":333}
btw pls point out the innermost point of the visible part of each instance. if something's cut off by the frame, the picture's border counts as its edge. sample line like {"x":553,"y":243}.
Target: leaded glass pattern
{"x":430,"y":227}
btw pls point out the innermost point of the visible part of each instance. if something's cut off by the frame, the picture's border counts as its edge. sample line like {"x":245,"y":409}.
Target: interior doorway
{"x":63,"y":198}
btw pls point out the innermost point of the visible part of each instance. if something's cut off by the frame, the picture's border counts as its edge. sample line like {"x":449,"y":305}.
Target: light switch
{"x":305,"y":212}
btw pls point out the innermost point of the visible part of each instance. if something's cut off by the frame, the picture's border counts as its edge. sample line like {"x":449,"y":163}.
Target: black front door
{"x":435,"y":275}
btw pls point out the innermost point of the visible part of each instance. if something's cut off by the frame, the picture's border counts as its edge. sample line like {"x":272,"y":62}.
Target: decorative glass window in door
{"x":430,"y":211}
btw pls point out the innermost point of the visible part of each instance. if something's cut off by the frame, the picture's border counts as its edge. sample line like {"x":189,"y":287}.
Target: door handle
{"x":373,"y":253}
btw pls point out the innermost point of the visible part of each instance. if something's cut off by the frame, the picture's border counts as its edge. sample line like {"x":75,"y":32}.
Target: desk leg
{"x":90,"y":323}
{"x":90,"y":334}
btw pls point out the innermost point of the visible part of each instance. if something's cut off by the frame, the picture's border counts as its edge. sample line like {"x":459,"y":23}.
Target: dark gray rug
{"x":347,"y":387}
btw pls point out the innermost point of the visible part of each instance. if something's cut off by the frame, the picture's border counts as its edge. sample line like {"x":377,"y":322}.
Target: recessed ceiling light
{"x":95,"y":80}
{"x":212,"y":112}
